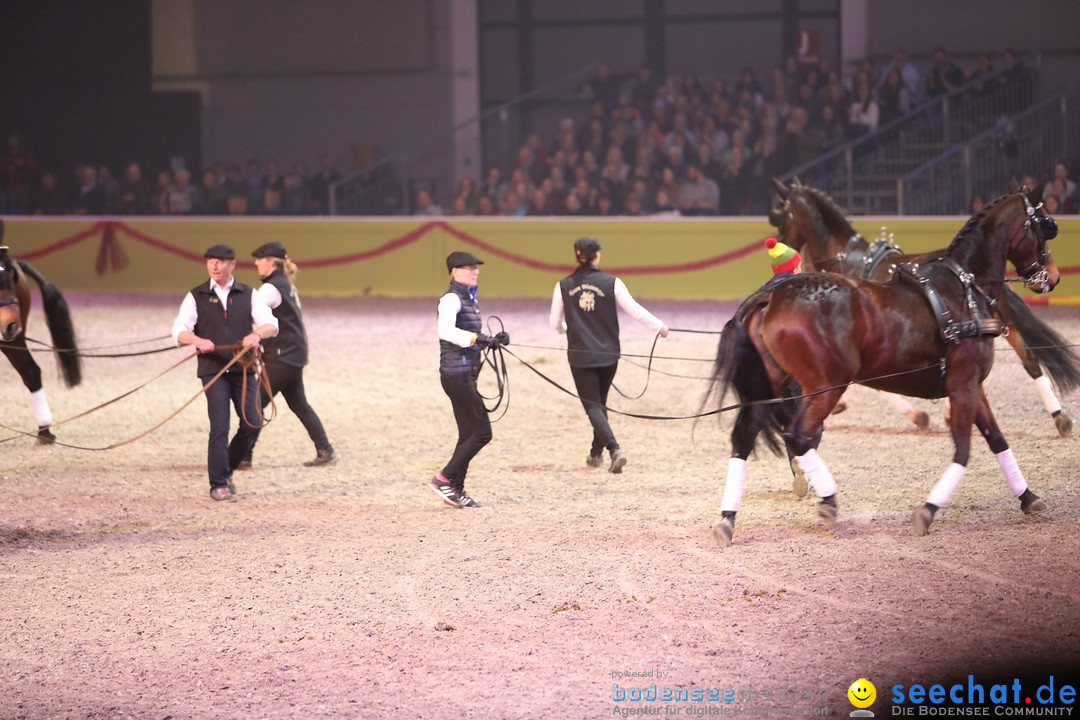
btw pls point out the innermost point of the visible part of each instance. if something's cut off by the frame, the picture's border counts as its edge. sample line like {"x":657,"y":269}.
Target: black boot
{"x":323,"y":456}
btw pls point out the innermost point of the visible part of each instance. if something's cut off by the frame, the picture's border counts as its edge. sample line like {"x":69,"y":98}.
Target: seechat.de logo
{"x":1004,"y":698}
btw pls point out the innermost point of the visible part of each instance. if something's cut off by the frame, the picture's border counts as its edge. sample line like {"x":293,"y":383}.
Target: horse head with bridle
{"x":11,"y":319}
{"x":927,"y":332}
{"x":809,"y":221}
{"x":15,"y":299}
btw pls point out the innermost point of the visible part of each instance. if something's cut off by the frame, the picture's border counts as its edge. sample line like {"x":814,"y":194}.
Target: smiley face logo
{"x":862,"y":693}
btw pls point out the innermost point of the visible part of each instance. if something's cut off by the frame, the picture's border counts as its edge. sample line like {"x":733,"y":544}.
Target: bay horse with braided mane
{"x":15,"y":300}
{"x":927,"y":332}
{"x":809,"y":221}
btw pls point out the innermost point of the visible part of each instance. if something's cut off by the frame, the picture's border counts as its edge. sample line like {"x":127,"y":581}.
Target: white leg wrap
{"x":899,"y":404}
{"x":41,"y":408}
{"x":816,"y":472}
{"x":946,"y":486}
{"x":1011,"y":469}
{"x":733,"y":486}
{"x":1046,"y":392}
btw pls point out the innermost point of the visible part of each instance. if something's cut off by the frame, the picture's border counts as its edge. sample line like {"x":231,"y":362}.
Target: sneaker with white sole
{"x":594,"y":460}
{"x":618,"y":460}
{"x":468,"y":502}
{"x":445,"y":490}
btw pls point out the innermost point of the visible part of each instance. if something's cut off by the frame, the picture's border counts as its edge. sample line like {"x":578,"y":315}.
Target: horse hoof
{"x":799,"y":485}
{"x":920,"y":521}
{"x":840,"y":407}
{"x":722,"y":532}
{"x":1063,"y":423}
{"x":1034,"y":507}
{"x":921,"y":420}
{"x":45,"y":437}
{"x":827,"y":512}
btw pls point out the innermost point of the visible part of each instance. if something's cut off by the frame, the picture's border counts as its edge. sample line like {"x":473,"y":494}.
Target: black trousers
{"x":593,"y":384}
{"x":239,"y":390}
{"x":474,"y":426}
{"x":289,"y":381}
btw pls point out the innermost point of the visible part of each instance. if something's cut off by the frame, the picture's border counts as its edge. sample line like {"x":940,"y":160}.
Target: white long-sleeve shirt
{"x":449,"y":307}
{"x":623,"y":298}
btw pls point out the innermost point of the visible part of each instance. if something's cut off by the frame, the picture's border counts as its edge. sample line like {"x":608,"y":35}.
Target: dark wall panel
{"x":76,"y":80}
{"x":285,"y":37}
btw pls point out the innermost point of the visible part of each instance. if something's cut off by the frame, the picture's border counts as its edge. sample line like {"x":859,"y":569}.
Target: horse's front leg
{"x":1050,"y":401}
{"x":902,"y":406}
{"x":30,"y":372}
{"x":1030,"y":503}
{"x":964,"y":400}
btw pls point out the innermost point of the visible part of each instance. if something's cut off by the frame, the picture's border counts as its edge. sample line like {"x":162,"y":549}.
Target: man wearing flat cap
{"x":219,"y":317}
{"x":460,"y":341}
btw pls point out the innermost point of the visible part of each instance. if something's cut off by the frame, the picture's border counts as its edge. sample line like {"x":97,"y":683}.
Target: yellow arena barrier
{"x":678,"y":258}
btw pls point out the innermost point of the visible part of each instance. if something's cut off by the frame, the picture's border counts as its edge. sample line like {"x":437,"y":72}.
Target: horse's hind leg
{"x":803,"y":437}
{"x":30,"y":373}
{"x":743,"y":437}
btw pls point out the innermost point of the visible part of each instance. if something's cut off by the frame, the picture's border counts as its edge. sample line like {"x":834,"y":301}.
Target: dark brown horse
{"x":15,"y":300}
{"x":928,"y":332}
{"x":809,"y":221}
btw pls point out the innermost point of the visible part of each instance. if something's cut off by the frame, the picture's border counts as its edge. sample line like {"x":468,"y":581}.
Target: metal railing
{"x":389,"y":187}
{"x":986,"y":163}
{"x":861,"y":175}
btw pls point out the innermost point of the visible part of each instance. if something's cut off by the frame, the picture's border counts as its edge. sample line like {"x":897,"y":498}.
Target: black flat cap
{"x":270,"y":249}
{"x":220,"y":252}
{"x":586,"y":247}
{"x":460,"y":258}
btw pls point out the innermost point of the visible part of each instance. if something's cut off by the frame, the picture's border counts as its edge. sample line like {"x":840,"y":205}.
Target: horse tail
{"x":61,"y":329}
{"x":1045,"y":345}
{"x":739,"y":367}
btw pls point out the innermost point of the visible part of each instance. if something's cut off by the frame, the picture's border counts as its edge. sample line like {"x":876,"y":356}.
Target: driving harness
{"x":859,"y":259}
{"x":978,"y":323}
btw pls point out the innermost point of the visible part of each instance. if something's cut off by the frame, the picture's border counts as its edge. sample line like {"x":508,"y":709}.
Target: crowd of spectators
{"x":648,"y":146}
{"x":682,"y":146}
{"x":252,"y":189}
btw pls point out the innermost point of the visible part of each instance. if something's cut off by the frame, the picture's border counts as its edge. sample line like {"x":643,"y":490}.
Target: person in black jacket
{"x":585,"y":306}
{"x":460,"y":342}
{"x":286,"y":354}
{"x":218,"y":318}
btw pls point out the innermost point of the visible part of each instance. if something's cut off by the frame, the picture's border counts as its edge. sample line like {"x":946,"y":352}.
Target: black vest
{"x":290,"y":345}
{"x":223,"y":326}
{"x":592,"y":317}
{"x":455,"y":360}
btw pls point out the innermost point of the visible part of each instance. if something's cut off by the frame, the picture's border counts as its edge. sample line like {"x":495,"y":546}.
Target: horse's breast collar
{"x":980,"y":323}
{"x":858,"y":259}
